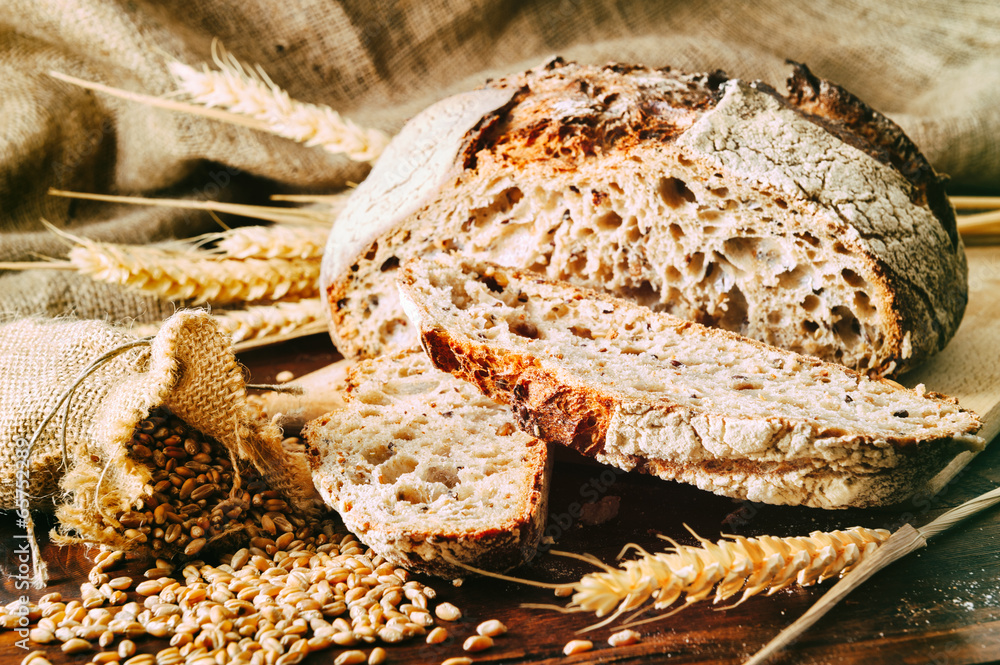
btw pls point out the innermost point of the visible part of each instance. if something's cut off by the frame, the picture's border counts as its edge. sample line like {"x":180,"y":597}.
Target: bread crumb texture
{"x":421,"y":463}
{"x":643,"y":390}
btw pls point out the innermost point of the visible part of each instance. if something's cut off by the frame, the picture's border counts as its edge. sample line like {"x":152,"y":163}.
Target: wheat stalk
{"x":297,"y":216}
{"x":195,"y":276}
{"x":248,"y":91}
{"x":751,"y":565}
{"x":270,"y":242}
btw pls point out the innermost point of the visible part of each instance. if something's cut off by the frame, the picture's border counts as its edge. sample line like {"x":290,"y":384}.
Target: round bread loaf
{"x":807,"y":221}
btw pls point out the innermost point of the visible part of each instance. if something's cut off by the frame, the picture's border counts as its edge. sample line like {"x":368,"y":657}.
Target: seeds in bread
{"x":807,"y":221}
{"x":643,"y":390}
{"x":420,"y":464}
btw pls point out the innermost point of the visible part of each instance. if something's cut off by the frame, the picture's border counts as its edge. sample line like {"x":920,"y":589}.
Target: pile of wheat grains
{"x":300,"y":586}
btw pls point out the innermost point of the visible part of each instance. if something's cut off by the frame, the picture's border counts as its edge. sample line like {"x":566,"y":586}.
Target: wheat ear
{"x":733,"y":564}
{"x":259,"y":321}
{"x":186,"y":275}
{"x":269,"y":242}
{"x":751,"y":565}
{"x":248,"y":91}
{"x":281,"y":318}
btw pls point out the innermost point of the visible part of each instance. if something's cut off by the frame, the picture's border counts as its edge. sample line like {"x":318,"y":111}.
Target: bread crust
{"x":845,"y":167}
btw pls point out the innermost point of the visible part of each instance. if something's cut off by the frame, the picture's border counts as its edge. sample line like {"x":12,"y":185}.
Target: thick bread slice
{"x":645,"y":390}
{"x":807,"y":221}
{"x":421,"y":464}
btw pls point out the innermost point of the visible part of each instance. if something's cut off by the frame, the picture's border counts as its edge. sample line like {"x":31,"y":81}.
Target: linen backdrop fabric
{"x":934,"y":67}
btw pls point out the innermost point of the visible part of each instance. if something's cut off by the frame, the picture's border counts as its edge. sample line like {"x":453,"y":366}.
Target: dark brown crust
{"x":616,"y":111}
{"x":575,"y":417}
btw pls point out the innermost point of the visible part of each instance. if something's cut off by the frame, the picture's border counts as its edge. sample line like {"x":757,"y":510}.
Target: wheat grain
{"x":248,"y":91}
{"x":270,"y":242}
{"x":196,"y":277}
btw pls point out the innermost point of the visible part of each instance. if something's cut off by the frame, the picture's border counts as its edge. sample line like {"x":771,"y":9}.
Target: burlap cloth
{"x":932,"y":66}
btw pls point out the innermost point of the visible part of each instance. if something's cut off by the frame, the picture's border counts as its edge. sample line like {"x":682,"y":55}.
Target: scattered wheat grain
{"x":477,"y":643}
{"x":437,"y":635}
{"x":624,"y":638}
{"x":447,"y":612}
{"x":491,"y":628}
{"x":577,"y":646}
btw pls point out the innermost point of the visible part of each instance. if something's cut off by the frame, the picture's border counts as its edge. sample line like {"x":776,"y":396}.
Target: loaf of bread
{"x":424,"y":469}
{"x":807,"y":220}
{"x":644,"y":390}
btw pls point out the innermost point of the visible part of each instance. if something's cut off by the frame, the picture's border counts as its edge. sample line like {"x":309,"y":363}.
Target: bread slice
{"x":643,"y":390}
{"x":807,"y":221}
{"x":421,"y":466}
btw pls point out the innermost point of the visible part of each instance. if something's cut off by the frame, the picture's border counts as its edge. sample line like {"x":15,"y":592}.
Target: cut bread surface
{"x":640,"y":389}
{"x":421,"y":466}
{"x":781,"y":218}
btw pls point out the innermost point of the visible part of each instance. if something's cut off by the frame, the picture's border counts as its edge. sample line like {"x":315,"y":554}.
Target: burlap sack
{"x":932,"y":66}
{"x":189,"y":368}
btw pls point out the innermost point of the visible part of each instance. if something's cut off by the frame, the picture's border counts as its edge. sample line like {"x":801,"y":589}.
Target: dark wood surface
{"x":940,"y":605}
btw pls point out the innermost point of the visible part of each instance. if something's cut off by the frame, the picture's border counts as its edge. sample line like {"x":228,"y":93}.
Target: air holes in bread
{"x":377,"y":454}
{"x":396,"y":466}
{"x":810,"y":327}
{"x":811,"y":303}
{"x":846,"y":326}
{"x":646,"y":294}
{"x":794,"y":278}
{"x":676,"y":232}
{"x":436,"y":474}
{"x":524,"y":329}
{"x":853,"y":279}
{"x":581,"y":332}
{"x":675,"y":192}
{"x":735,"y":317}
{"x":863,"y":306}
{"x":373,"y":398}
{"x":372,"y":251}
{"x":492,"y":284}
{"x":390,"y":263}
{"x":808,"y":238}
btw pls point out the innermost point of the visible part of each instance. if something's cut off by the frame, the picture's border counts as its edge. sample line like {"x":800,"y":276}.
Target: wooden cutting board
{"x":969,"y":367}
{"x":941,"y":605}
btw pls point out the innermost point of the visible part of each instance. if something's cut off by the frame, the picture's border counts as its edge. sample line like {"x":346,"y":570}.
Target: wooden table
{"x":940,"y":605}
